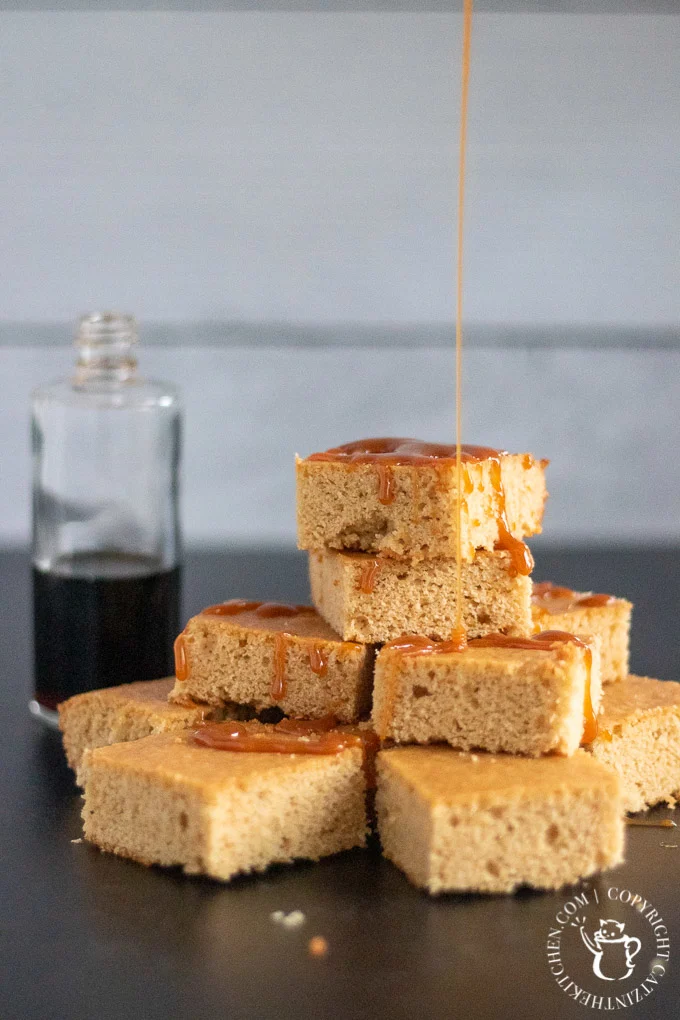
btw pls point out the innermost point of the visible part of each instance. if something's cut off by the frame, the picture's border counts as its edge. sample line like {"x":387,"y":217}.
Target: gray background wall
{"x":276,"y":192}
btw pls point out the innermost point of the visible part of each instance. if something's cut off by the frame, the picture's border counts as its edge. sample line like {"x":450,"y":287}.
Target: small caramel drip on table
{"x":369,"y":576}
{"x":181,"y":659}
{"x":650,"y":823}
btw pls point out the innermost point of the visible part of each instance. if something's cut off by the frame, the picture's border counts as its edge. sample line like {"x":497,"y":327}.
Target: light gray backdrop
{"x":275,"y":192}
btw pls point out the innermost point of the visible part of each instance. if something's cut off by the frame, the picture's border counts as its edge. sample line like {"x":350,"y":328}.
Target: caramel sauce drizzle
{"x":290,"y":736}
{"x":593,"y":601}
{"x":231,"y":608}
{"x":404,"y":453}
{"x":459,"y":635}
{"x":318,"y":660}
{"x":181,"y":659}
{"x":545,"y":641}
{"x":554,"y":599}
{"x":369,"y":576}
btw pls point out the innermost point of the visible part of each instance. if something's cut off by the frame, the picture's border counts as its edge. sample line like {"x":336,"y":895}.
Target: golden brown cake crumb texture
{"x":417,"y":598}
{"x":128,"y":712}
{"x":164,"y":800}
{"x":520,"y":701}
{"x":338,"y":506}
{"x":484,"y":823}
{"x":640,"y":738}
{"x":231,"y":659}
{"x":611,"y":623}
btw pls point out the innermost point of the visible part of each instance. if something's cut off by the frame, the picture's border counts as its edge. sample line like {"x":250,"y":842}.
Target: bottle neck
{"x":105,"y":343}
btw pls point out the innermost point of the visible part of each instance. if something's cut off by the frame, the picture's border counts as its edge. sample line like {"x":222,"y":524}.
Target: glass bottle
{"x":106,"y":536}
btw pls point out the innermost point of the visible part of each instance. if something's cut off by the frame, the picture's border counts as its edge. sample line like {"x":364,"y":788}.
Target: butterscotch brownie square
{"x":271,"y":654}
{"x":608,"y":617}
{"x":128,"y":712}
{"x":639,"y":736}
{"x":399,"y":497}
{"x":166,"y":800}
{"x":458,"y":822}
{"x":374,"y":598}
{"x":535,"y":696}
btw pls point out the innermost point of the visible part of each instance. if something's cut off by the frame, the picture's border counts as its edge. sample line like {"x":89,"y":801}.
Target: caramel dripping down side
{"x":386,"y":487}
{"x":369,"y":576}
{"x":181,"y":658}
{"x":279,"y":684}
{"x":522,"y":560}
{"x":318,"y":660}
{"x":545,"y":641}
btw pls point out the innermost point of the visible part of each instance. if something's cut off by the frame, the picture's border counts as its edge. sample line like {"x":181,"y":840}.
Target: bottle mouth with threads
{"x":105,"y":343}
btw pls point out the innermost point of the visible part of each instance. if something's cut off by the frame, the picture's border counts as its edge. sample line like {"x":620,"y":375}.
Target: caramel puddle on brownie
{"x":555,"y":599}
{"x":291,"y":736}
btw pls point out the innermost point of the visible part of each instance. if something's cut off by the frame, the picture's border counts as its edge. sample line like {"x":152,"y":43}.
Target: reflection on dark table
{"x":87,"y":935}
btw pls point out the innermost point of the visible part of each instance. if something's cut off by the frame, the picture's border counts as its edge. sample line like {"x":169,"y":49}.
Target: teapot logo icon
{"x":613,"y":951}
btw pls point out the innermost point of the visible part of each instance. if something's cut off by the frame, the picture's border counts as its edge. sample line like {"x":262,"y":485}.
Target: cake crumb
{"x":318,"y":946}
{"x":292,"y":920}
{"x":76,"y":841}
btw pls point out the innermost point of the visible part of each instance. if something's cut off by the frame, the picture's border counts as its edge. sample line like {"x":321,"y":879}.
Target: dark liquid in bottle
{"x":101,"y":620}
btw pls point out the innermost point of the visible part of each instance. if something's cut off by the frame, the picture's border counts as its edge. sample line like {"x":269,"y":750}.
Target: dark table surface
{"x":84,"y":934}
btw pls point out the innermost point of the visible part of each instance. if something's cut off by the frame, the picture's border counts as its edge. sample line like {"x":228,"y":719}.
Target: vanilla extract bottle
{"x":106,"y":535}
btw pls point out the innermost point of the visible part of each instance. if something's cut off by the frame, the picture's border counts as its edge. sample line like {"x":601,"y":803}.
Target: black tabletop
{"x":85,"y":934}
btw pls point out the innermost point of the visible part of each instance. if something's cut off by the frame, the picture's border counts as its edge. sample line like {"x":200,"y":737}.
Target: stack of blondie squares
{"x":507,"y":760}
